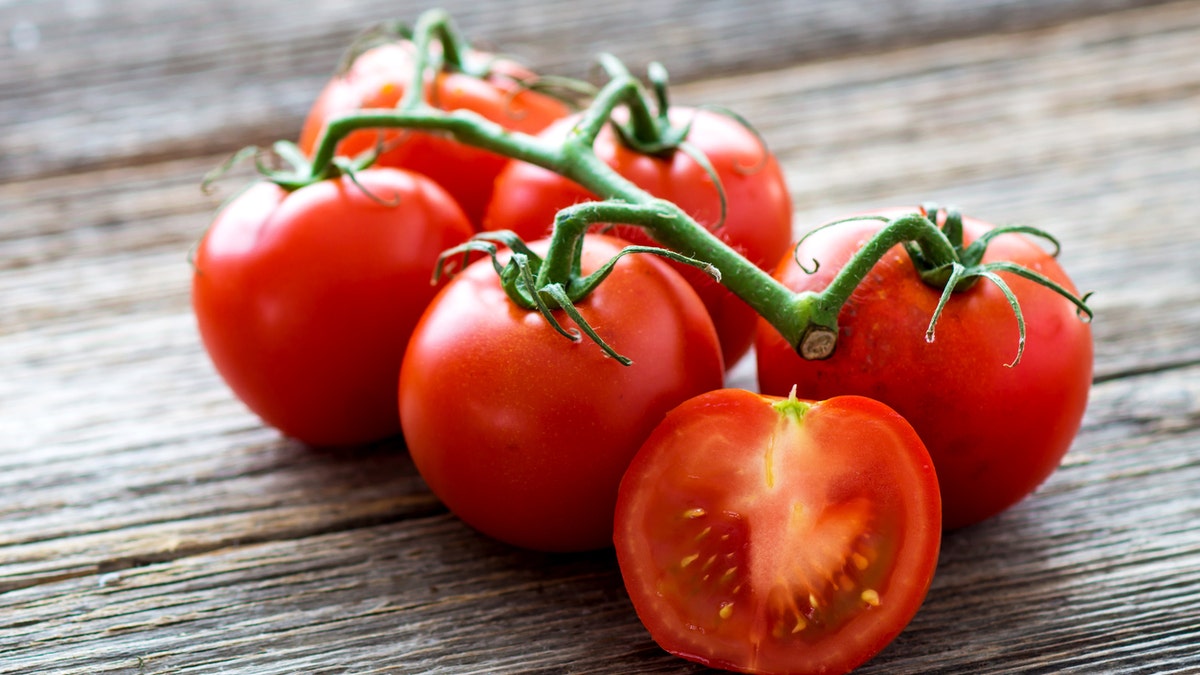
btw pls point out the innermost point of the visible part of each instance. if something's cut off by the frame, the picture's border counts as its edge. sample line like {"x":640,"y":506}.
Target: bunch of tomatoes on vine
{"x":542,"y":294}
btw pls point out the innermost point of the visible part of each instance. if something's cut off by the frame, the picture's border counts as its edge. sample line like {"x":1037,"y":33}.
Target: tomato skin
{"x":379,"y":77}
{"x":758,"y":222}
{"x":995,"y":433}
{"x":755,"y":540}
{"x":524,"y":434}
{"x":305,"y":300}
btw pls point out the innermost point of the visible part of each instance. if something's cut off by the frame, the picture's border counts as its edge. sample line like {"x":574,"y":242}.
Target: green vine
{"x":807,"y":320}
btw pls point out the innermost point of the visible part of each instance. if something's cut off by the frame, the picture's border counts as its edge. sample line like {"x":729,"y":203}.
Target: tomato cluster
{"x":567,"y":394}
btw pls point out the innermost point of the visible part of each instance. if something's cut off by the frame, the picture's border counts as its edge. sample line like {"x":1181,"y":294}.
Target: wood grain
{"x":150,"y":524}
{"x":125,"y":81}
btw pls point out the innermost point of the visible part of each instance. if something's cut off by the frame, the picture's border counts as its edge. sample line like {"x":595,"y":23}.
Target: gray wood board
{"x":148,"y":523}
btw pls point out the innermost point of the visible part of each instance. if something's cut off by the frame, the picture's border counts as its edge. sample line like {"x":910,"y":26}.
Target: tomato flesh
{"x":770,"y":535}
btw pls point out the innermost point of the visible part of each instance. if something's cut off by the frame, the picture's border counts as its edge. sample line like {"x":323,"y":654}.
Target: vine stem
{"x":934,"y":245}
{"x":807,"y":320}
{"x":432,"y":25}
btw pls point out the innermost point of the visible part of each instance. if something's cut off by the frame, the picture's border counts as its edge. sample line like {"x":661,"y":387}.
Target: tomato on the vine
{"x":996,"y":430}
{"x":773,"y":535}
{"x":523,"y":433}
{"x":758,"y":217}
{"x":378,"y":78}
{"x":305,"y":299}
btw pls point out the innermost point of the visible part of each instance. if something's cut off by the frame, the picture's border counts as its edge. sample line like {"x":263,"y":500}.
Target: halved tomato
{"x":773,"y":535}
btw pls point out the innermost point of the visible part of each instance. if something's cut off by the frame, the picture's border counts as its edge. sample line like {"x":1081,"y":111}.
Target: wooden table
{"x":150,"y":524}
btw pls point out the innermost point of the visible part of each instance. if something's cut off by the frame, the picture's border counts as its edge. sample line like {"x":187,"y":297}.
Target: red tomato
{"x":995,"y":432}
{"x":305,"y":300}
{"x":770,"y":535}
{"x":523,"y":433}
{"x":758,"y":222}
{"x":379,"y":77}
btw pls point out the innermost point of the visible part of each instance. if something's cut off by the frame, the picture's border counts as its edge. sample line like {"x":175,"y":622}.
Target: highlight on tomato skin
{"x":771,"y":535}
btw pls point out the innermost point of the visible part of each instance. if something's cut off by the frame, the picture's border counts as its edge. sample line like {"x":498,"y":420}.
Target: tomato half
{"x":771,"y":535}
{"x":379,"y":77}
{"x":995,"y":432}
{"x":758,"y":220}
{"x":305,"y":300}
{"x":523,"y":433}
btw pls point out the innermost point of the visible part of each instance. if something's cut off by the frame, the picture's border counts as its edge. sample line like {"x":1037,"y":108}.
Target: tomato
{"x":379,"y":77}
{"x":771,"y":535}
{"x":523,"y":433}
{"x":305,"y":300}
{"x":758,"y":220}
{"x":995,"y":432}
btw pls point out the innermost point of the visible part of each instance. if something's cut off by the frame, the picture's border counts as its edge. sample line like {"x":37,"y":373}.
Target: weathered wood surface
{"x":149,"y":524}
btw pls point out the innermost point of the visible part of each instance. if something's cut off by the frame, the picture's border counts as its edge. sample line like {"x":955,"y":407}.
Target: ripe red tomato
{"x":995,"y":432}
{"x":379,"y":77}
{"x":758,"y":221}
{"x":771,"y":535}
{"x":305,"y":300}
{"x":523,"y":433}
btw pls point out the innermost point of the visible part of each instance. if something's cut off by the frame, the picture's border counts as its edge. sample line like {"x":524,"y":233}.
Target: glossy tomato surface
{"x":305,"y":300}
{"x":758,"y":220}
{"x":379,"y":77}
{"x":523,"y":433}
{"x":995,"y":432}
{"x":770,"y":535}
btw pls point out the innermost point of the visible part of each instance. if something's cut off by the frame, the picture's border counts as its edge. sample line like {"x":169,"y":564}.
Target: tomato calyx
{"x":653,"y":133}
{"x":556,"y":282}
{"x":942,"y":261}
{"x":792,"y":407}
{"x":297,"y":172}
{"x":649,"y":129}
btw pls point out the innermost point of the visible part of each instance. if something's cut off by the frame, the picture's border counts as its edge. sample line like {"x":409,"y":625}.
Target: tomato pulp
{"x":771,"y":535}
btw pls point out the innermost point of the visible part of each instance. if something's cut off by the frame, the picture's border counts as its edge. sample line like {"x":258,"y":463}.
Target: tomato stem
{"x":932,"y":244}
{"x":808,"y":321}
{"x":434,"y":25}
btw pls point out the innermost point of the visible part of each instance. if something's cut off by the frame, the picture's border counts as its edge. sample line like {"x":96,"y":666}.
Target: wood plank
{"x":1100,"y":567}
{"x":148,"y":523}
{"x":128,"y":81}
